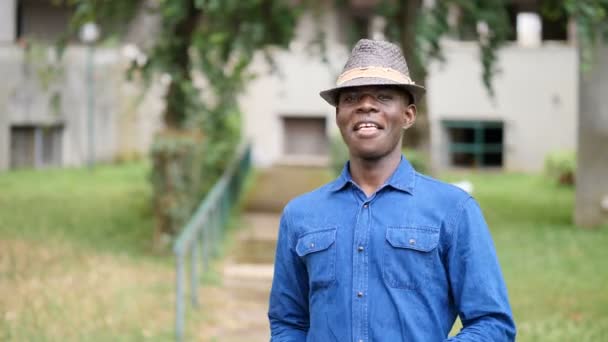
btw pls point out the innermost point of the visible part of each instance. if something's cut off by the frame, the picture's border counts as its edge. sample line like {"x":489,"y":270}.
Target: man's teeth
{"x":367,"y":125}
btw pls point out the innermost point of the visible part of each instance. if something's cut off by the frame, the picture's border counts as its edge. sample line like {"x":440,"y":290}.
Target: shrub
{"x":338,"y":154}
{"x":560,"y":166}
{"x":176,"y":178}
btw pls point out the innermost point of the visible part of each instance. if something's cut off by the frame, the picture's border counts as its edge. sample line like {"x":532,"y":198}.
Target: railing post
{"x":194,"y":274}
{"x":179,"y":300}
{"x":204,"y":236}
{"x":213,"y":231}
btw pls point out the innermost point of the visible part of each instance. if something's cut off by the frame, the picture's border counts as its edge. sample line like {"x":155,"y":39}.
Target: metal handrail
{"x":203,"y":231}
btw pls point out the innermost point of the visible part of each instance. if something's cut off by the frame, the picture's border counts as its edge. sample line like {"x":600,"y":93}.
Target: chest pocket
{"x":409,"y":254}
{"x":318,"y":251}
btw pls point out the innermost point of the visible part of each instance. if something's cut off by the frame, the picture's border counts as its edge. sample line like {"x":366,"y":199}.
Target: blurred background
{"x":148,"y":147}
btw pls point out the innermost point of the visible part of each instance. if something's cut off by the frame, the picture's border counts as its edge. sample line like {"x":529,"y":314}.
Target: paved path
{"x":240,"y":303}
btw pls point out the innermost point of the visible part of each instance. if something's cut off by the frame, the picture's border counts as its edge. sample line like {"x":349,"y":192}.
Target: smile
{"x":366,"y":126}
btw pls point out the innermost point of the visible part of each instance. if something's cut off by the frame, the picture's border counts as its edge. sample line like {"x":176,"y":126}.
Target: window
{"x":475,"y":143}
{"x":304,"y":136}
{"x":42,"y":20}
{"x":35,"y":146}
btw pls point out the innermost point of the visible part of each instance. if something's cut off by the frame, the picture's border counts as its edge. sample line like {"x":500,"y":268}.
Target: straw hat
{"x":374,"y":62}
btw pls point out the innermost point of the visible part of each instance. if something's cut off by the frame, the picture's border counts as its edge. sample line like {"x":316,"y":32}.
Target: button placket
{"x":361,"y":271}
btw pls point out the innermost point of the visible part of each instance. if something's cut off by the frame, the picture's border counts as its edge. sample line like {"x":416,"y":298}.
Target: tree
{"x":591,"y":18}
{"x":217,"y":39}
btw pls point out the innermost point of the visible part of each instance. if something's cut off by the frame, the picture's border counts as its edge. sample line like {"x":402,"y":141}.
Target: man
{"x":384,"y":253}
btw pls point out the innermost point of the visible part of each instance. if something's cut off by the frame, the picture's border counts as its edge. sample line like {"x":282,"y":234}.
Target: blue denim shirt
{"x":399,"y":265}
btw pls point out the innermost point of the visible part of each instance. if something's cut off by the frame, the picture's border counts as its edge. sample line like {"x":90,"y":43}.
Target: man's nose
{"x":367,"y":102}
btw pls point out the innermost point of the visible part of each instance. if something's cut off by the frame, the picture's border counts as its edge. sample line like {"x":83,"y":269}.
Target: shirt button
{"x":365,"y":205}
{"x":359,"y":294}
{"x":412,"y":242}
{"x":360,"y":248}
{"x":312,"y":245}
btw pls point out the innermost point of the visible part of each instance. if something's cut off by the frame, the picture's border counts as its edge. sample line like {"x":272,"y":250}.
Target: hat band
{"x":378,"y":72}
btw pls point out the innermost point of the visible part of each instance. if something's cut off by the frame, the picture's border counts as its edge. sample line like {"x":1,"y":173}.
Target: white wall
{"x":124,"y":126}
{"x":294,"y":91}
{"x":536,"y":98}
{"x":8,"y":24}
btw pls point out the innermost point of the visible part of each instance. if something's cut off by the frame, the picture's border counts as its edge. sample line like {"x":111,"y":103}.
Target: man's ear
{"x":409,"y":116}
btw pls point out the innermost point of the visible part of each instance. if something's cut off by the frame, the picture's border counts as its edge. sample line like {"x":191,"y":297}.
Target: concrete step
{"x":275,"y":186}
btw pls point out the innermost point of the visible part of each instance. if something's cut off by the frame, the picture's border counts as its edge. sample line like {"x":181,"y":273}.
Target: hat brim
{"x":331,"y":95}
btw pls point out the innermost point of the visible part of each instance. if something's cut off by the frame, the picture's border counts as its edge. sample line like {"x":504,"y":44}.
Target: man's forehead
{"x":374,"y":88}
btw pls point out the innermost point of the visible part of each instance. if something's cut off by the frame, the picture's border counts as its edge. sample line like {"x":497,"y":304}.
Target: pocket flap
{"x":420,"y":239}
{"x":315,"y":241}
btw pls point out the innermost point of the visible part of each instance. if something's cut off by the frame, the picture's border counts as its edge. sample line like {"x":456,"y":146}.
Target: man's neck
{"x":372,"y":174}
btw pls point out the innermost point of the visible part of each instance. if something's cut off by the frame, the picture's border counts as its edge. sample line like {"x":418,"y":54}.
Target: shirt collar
{"x":402,"y":179}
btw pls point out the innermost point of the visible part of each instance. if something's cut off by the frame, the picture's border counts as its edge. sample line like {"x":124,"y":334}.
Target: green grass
{"x":76,"y":258}
{"x":107,"y":208}
{"x":556,"y":273}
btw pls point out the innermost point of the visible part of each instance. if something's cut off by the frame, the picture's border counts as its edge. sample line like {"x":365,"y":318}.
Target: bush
{"x":560,"y":166}
{"x":418,"y":160}
{"x":176,"y":178}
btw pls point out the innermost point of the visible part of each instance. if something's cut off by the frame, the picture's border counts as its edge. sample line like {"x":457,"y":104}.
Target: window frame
{"x":478,"y":148}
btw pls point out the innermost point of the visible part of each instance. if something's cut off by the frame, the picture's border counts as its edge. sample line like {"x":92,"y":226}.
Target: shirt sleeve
{"x":288,"y":308}
{"x":477,"y":284}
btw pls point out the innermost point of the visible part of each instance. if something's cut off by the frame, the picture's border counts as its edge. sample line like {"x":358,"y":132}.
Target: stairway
{"x":238,"y":307}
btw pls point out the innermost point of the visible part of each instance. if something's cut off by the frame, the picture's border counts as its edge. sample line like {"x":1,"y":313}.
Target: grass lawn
{"x":76,"y":262}
{"x":556,"y":273}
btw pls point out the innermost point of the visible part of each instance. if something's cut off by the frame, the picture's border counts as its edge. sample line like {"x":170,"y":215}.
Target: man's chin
{"x":369,"y":155}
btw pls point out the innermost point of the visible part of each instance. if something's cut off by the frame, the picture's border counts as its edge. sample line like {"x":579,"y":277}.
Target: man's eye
{"x":348,"y":98}
{"x":385,"y":97}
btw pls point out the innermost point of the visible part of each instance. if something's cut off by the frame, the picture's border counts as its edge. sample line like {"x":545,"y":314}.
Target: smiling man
{"x":384,"y":253}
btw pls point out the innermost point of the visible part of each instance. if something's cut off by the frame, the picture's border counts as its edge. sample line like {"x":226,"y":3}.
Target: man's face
{"x":371,"y":120}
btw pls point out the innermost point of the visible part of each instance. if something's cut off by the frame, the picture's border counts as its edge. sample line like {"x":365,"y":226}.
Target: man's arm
{"x":288,"y":309}
{"x":476,"y":281}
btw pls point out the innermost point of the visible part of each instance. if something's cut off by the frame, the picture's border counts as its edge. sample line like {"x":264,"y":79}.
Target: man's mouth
{"x":367,"y":125}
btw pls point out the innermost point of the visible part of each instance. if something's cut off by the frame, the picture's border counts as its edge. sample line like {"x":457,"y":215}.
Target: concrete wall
{"x":8,"y":24}
{"x":536,"y":98}
{"x":294,"y":91}
{"x":123,"y":125}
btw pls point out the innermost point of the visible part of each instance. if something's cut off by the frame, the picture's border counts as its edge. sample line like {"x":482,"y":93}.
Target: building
{"x":533,"y":112}
{"x":44,"y":105}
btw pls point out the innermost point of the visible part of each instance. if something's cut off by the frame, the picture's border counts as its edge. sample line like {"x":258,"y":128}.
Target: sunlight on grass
{"x":57,"y":292}
{"x":76,"y":262}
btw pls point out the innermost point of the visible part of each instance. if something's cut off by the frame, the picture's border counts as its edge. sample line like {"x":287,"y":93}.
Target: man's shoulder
{"x":310,"y":199}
